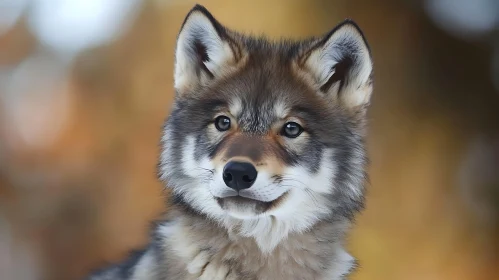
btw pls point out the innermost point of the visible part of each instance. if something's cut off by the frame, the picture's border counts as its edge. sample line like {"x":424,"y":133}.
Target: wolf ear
{"x":340,"y":65}
{"x":204,"y":51}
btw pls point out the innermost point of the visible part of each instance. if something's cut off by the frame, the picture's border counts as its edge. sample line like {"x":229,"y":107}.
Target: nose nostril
{"x":247,"y":179}
{"x":227,"y":177}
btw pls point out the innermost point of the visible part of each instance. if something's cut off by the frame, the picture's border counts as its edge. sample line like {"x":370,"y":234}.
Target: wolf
{"x":264,"y":154}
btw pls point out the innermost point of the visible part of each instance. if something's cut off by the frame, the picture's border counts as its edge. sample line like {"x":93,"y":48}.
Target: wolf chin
{"x":264,"y":154}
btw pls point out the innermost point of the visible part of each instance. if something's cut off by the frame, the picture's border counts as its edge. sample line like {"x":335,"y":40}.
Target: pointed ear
{"x":340,"y":66}
{"x":204,"y":51}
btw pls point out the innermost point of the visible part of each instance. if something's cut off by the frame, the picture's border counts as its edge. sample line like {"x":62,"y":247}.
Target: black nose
{"x":239,"y":175}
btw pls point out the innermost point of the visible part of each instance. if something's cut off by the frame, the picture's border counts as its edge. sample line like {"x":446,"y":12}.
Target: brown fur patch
{"x":261,"y":151}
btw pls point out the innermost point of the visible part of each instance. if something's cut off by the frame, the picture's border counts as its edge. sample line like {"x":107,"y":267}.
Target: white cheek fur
{"x":196,"y":192}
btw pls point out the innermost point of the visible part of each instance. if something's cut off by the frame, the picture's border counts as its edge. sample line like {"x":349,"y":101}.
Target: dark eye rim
{"x":284,"y":133}
{"x":217,"y":125}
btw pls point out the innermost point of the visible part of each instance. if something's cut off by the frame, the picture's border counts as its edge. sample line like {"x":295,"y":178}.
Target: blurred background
{"x":86,"y":84}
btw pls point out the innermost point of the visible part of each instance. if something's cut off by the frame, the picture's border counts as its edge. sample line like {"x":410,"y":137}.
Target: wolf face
{"x":266,"y":138}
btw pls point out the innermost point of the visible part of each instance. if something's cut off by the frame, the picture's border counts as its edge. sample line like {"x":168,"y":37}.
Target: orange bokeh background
{"x":79,"y":139}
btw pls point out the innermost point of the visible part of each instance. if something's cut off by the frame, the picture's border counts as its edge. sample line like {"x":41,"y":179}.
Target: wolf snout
{"x":239,"y":175}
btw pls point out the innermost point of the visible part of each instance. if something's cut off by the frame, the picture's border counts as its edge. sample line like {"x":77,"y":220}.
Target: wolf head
{"x":266,"y":138}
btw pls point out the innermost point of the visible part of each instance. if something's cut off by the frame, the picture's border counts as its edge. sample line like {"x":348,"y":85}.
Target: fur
{"x":292,"y":221}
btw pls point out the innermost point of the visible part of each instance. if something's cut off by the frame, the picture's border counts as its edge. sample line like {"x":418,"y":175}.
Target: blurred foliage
{"x":78,"y":155}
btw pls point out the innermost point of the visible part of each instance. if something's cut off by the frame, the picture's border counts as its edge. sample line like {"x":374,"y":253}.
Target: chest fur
{"x":311,"y":255}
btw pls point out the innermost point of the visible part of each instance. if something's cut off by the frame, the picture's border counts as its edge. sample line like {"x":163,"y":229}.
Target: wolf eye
{"x":222,"y":123}
{"x":291,"y":130}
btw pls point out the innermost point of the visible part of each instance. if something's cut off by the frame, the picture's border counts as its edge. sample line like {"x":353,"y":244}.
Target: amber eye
{"x":291,"y":130}
{"x":222,"y":123}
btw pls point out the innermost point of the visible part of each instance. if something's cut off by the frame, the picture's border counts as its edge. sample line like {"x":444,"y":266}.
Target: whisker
{"x":294,"y":180}
{"x":212,"y":171}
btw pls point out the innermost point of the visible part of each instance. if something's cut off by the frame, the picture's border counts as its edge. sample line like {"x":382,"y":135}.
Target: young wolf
{"x":264,"y":154}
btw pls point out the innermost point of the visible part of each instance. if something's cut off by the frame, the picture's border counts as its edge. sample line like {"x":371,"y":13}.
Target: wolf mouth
{"x":241,"y":202}
{"x":240,"y":199}
{"x":246,"y":193}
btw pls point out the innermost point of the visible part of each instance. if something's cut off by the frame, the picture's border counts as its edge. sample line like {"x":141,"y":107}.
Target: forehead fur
{"x":266,"y":87}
